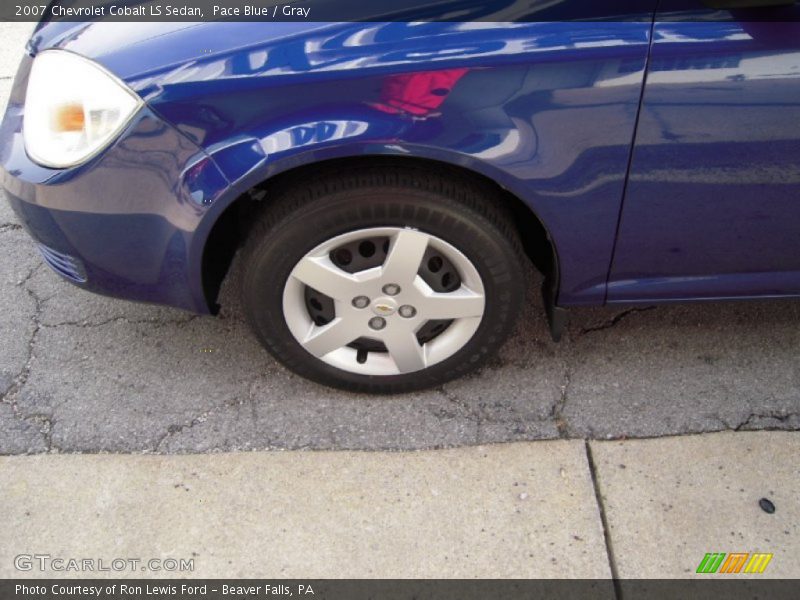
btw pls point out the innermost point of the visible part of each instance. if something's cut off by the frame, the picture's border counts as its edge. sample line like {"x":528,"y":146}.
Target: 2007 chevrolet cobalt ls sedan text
{"x":387,"y":181}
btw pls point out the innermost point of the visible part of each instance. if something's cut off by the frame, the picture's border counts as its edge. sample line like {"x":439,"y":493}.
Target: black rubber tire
{"x":302,"y":215}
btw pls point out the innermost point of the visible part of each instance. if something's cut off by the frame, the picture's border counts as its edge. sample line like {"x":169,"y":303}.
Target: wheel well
{"x":232,"y":227}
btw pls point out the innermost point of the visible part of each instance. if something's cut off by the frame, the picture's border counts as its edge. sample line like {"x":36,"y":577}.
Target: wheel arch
{"x":227,"y":226}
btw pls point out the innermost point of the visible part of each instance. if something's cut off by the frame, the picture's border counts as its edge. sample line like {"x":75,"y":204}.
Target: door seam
{"x":651,"y":42}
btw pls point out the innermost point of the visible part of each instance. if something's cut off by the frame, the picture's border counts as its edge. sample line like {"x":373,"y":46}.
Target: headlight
{"x":73,"y":109}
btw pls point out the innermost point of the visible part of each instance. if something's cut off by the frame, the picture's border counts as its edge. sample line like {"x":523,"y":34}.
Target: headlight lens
{"x":73,"y":109}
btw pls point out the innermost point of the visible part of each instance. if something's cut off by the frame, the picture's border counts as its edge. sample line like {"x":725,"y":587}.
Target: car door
{"x":712,"y":205}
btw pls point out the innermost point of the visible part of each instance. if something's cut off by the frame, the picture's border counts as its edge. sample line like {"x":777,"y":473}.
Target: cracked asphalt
{"x":83,"y":373}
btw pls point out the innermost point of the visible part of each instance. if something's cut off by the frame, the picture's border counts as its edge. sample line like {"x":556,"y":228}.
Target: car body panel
{"x":712,"y":208}
{"x":127,"y":216}
{"x":545,"y":109}
{"x":554,"y":127}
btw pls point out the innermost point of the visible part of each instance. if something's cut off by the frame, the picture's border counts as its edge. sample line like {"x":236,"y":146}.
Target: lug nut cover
{"x":407,"y":311}
{"x":377,"y":323}
{"x":361,"y":302}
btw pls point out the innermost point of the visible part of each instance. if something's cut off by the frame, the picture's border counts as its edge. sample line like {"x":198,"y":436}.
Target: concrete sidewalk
{"x":644,"y":508}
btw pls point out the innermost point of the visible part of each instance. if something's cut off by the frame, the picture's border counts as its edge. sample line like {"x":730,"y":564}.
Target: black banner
{"x":728,"y":587}
{"x":394,"y":10}
{"x":320,"y":10}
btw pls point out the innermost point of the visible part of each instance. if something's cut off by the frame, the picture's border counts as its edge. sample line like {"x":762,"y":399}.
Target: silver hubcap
{"x":388,"y":308}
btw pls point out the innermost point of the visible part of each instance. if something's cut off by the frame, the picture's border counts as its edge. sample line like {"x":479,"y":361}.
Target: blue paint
{"x":548,"y":110}
{"x":712,"y":208}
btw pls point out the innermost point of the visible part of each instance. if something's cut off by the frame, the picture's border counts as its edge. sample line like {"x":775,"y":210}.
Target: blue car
{"x":384,"y":184}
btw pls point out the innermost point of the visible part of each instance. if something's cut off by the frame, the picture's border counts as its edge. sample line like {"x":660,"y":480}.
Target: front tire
{"x":387,"y":281}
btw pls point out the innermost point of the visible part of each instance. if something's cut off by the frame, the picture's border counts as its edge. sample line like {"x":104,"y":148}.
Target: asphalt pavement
{"x":83,"y":373}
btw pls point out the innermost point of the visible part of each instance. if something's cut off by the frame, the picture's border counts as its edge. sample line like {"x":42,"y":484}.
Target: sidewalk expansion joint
{"x":604,"y":521}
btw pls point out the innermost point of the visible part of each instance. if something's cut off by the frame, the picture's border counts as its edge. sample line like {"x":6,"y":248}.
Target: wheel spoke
{"x":405,"y":350}
{"x":322,"y":340}
{"x":459,"y":304}
{"x":405,"y":256}
{"x":322,"y":275}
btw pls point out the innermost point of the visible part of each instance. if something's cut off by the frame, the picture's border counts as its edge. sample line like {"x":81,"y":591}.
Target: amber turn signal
{"x":68,"y":118}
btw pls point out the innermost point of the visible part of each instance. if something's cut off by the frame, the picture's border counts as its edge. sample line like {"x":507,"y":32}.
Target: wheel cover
{"x":463,"y":307}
